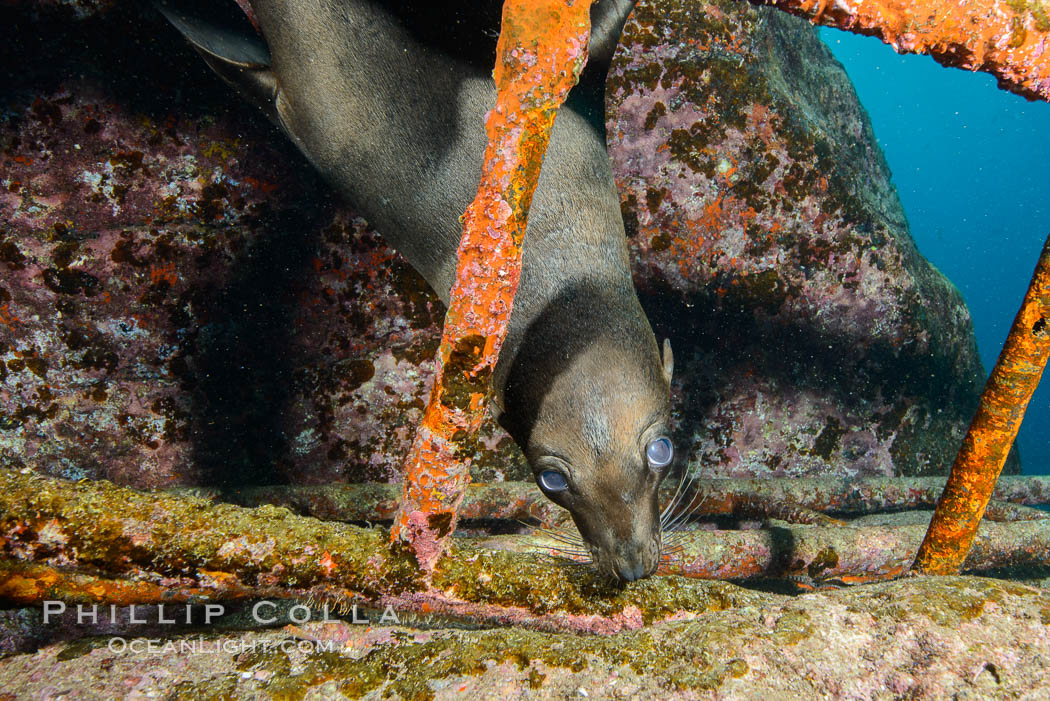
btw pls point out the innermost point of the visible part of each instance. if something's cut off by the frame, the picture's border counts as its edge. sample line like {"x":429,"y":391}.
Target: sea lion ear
{"x":225,"y":38}
{"x":668,"y":360}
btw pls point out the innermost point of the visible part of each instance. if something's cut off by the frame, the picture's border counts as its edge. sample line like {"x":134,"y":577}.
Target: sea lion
{"x":397,"y":126}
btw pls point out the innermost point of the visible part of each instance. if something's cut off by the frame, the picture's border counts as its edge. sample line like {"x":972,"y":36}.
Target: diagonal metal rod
{"x":541,"y":51}
{"x":993,"y":430}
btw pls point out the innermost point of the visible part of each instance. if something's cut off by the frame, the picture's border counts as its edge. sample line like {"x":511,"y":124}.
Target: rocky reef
{"x":955,"y":637}
{"x":769,"y":243}
{"x":182,"y":303}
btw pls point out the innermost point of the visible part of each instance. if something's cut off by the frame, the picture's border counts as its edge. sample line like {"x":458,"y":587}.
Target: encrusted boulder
{"x":769,"y":243}
{"x":182,"y":303}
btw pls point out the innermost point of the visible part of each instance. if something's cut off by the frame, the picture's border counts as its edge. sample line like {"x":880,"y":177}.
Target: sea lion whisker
{"x":681,"y":523}
{"x":573,"y":560}
{"x":563,"y":540}
{"x":525,"y":524}
{"x":677,"y":543}
{"x":561,"y":534}
{"x":559,"y":544}
{"x":569,"y":533}
{"x":565,"y":550}
{"x":681,"y":498}
{"x":677,"y":551}
{"x":669,"y":512}
{"x":670,"y":509}
{"x":561,"y":530}
{"x":677,"y":522}
{"x":562,"y":537}
{"x":673,"y":502}
{"x":678,"y":490}
{"x":683,"y":518}
{"x":570,"y":553}
{"x":575,"y":550}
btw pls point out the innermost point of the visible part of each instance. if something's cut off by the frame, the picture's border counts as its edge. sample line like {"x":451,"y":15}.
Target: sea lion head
{"x":592,"y":398}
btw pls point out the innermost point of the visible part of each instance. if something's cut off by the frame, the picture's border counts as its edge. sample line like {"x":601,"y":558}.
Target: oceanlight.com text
{"x":201,"y":645}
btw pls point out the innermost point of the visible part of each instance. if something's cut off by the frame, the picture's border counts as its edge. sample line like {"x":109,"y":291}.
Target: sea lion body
{"x":398,"y":128}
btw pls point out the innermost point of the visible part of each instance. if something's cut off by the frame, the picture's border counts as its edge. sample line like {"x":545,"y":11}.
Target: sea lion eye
{"x":553,"y":481}
{"x":659,"y":453}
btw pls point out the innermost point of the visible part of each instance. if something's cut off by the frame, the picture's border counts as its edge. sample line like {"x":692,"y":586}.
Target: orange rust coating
{"x":541,"y":51}
{"x":1008,"y":38}
{"x":30,"y":584}
{"x":992,"y":432}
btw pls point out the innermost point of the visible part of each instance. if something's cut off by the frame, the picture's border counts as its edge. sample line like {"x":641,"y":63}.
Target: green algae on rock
{"x":920,"y":637}
{"x":219,"y":550}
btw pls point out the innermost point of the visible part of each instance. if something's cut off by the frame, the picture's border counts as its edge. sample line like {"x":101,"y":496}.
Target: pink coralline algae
{"x":181,"y":302}
{"x":769,"y":243}
{"x":179,"y":305}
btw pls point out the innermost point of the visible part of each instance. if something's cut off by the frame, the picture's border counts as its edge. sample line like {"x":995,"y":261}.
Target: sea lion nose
{"x":630,"y":572}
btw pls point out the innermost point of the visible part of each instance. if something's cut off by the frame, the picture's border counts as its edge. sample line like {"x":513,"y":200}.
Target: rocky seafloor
{"x":931,"y":638}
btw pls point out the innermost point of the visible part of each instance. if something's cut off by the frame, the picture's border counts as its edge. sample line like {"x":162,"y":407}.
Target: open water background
{"x":971,"y":163}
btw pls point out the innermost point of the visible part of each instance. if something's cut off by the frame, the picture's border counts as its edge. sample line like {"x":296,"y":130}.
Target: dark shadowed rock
{"x":181,"y":303}
{"x":769,"y":243}
{"x":64,"y":9}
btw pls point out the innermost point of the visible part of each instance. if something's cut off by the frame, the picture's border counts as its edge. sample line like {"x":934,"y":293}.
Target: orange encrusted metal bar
{"x":31,"y":584}
{"x":1008,"y":38}
{"x":992,"y":432}
{"x":94,"y":542}
{"x":516,"y":501}
{"x":541,"y":51}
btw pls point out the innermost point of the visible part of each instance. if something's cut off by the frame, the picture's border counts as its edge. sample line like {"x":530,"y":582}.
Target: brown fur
{"x":397,"y":127}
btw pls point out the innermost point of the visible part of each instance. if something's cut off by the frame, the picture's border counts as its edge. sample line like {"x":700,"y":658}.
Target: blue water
{"x":970,"y":163}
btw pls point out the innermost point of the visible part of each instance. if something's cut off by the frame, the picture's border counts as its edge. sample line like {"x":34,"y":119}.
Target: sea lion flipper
{"x":224,"y":37}
{"x":607,"y":20}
